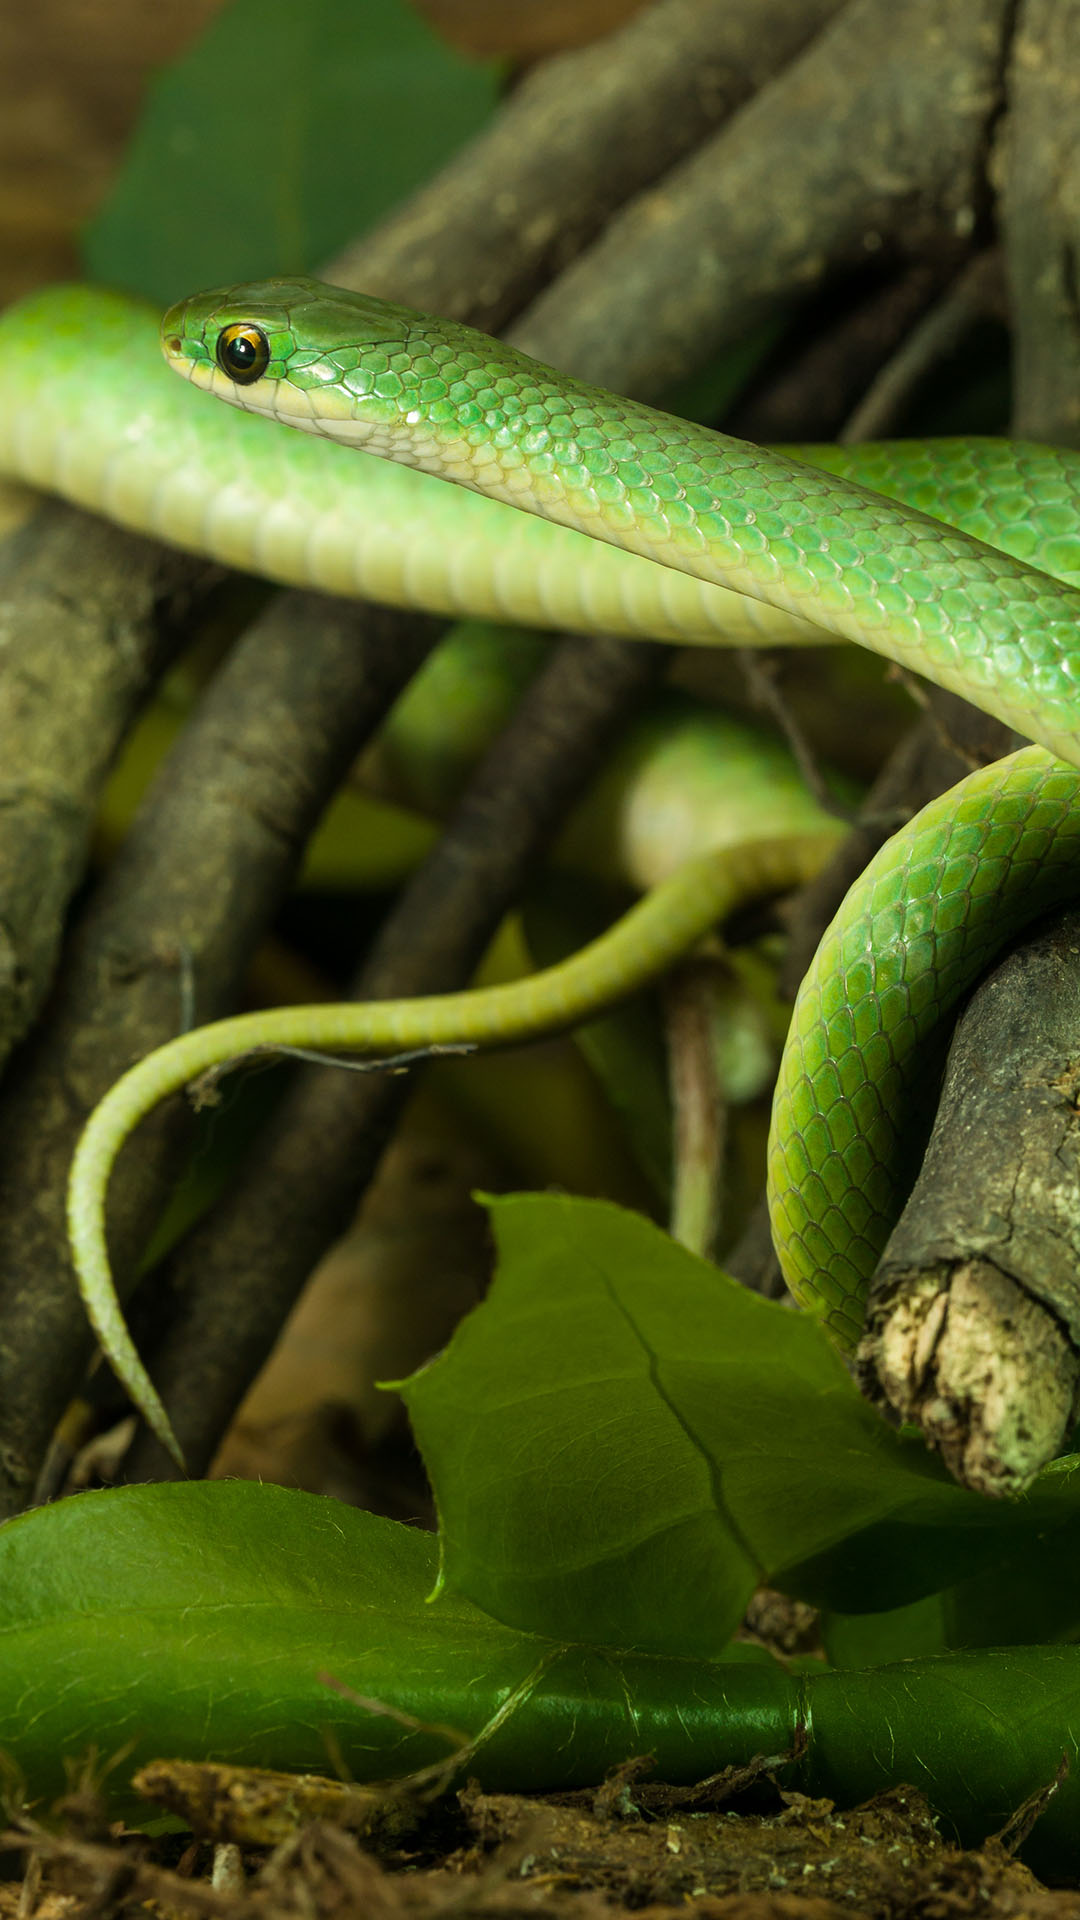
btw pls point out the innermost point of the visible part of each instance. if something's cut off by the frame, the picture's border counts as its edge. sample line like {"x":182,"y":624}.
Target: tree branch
{"x":973,"y":1322}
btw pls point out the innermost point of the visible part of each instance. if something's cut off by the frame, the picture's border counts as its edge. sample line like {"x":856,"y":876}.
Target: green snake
{"x":958,"y":559}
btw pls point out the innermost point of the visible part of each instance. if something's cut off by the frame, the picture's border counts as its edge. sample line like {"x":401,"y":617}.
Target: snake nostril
{"x":173,"y":343}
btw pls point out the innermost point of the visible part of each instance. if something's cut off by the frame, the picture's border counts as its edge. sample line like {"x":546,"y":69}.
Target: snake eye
{"x":243,"y":352}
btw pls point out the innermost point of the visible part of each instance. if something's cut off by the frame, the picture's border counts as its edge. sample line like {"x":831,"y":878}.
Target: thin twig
{"x":698,"y":1107}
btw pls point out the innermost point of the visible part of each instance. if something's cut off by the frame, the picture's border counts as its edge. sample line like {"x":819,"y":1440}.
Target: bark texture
{"x":973,"y":1322}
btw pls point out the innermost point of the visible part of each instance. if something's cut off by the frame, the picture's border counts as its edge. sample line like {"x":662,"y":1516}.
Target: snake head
{"x":424,"y":391}
{"x":325,"y":360}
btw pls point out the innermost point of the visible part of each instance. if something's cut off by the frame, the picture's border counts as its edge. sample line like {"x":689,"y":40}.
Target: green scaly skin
{"x":463,"y":407}
{"x":770,"y":548}
{"x":921,"y":923}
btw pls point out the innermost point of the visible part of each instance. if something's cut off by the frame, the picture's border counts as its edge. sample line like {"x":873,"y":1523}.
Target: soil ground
{"x":630,"y":1847}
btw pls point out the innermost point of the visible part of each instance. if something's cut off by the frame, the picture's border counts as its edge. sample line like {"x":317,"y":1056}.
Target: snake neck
{"x":440,"y":397}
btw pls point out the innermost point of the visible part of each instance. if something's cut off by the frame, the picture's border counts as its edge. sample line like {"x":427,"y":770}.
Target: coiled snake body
{"x":722,"y":541}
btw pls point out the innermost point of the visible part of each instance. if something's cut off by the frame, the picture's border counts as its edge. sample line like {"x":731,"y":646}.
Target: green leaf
{"x":283,"y":133}
{"x":1001,"y":1569}
{"x":623,"y":1442}
{"x":873,"y":1639}
{"x":198,"y":1621}
{"x":1030,"y":1595}
{"x":978,"y":1733}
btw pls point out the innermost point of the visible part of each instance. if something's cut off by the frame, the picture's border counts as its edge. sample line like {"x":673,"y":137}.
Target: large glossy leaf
{"x":978,"y":1733}
{"x":623,"y":1442}
{"x":284,"y":132}
{"x":202,"y":1620}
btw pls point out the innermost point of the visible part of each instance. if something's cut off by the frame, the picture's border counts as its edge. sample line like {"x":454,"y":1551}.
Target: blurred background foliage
{"x":74,"y":74}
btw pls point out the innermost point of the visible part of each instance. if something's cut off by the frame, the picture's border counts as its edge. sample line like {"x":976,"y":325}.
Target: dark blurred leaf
{"x":284,"y":132}
{"x":1030,"y":1595}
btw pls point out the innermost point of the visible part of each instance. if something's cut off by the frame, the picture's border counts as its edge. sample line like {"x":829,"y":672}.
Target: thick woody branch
{"x":1039,"y":163}
{"x":88,"y":617}
{"x":973,"y":1325}
{"x":870,"y":144}
{"x":579,"y":136}
{"x":197,"y":879}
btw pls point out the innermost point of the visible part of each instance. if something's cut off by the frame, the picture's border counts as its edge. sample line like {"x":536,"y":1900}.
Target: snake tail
{"x":658,"y":930}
